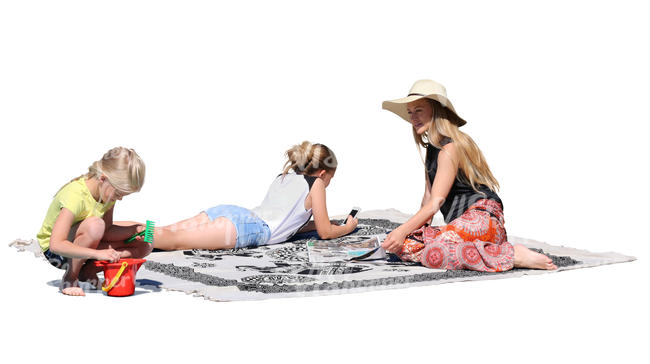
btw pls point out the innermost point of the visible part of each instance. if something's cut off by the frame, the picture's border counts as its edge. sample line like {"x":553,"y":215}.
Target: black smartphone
{"x":353,"y":213}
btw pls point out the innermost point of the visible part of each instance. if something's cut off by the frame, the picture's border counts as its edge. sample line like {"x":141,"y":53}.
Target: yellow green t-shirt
{"x":75,"y":197}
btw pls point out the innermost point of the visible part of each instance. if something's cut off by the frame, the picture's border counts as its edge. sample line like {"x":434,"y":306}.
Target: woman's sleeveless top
{"x":283,"y":208}
{"x":462,"y":195}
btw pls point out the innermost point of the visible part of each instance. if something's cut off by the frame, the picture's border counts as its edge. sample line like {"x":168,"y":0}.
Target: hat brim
{"x":398,"y":106}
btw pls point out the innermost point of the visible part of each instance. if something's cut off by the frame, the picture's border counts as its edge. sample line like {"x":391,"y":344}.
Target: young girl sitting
{"x":79,"y":223}
{"x":291,"y":201}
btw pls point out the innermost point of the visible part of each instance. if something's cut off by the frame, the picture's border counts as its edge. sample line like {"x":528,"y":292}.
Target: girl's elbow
{"x":54,"y":246}
{"x":324,"y":234}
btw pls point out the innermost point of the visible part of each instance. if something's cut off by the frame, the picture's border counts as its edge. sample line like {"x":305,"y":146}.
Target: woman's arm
{"x":59,"y":242}
{"x":427,"y":189}
{"x":118,"y":232}
{"x":324,"y":227}
{"x":445,"y":176}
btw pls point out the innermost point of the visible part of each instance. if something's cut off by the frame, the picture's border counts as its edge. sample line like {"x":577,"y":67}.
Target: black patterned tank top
{"x":462,"y":195}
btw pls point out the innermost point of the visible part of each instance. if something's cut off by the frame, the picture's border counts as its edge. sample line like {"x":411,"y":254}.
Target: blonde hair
{"x":307,"y":158}
{"x":123,"y":168}
{"x":472,"y":164}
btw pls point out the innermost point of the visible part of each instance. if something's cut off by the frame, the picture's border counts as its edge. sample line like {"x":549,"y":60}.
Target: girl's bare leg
{"x":135,"y":249}
{"x":197,"y":232}
{"x":88,"y":235}
{"x":526,"y":258}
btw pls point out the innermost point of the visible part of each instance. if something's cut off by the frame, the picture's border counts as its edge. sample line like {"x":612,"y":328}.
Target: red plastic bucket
{"x":119,"y":277}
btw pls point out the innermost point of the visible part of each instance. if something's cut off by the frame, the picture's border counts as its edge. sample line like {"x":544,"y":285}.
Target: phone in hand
{"x":353,"y":213}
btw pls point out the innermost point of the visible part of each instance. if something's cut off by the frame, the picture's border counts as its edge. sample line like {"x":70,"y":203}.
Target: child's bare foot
{"x":526,"y":258}
{"x":73,"y":291}
{"x":70,"y":286}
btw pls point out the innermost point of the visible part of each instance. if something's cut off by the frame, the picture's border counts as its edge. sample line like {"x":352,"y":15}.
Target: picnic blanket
{"x":284,"y":270}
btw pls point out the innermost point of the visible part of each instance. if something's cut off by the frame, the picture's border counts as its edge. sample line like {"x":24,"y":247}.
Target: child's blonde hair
{"x":307,"y":158}
{"x":472,"y":164}
{"x":123,"y":168}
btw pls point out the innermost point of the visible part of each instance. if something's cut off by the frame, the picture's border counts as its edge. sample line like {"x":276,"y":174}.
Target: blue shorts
{"x":251,"y":230}
{"x":56,"y":260}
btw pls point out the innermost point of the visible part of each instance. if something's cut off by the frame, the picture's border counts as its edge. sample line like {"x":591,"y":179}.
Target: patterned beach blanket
{"x":285,"y":270}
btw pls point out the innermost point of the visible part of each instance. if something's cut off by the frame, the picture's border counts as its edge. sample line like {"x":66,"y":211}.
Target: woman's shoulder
{"x":449,"y":151}
{"x":445,"y":141}
{"x":446,"y":144}
{"x":449,"y":146}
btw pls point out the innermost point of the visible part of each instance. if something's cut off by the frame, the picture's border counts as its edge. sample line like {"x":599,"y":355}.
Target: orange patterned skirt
{"x":476,"y":240}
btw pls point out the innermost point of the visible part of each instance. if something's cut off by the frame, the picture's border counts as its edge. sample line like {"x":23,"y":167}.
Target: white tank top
{"x":283,"y":208}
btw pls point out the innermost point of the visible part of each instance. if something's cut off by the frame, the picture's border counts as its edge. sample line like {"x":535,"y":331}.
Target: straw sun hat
{"x":422,"y":89}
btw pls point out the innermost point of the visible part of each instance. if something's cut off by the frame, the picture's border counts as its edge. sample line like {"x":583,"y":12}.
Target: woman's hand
{"x":110,"y":255}
{"x":394,"y":241}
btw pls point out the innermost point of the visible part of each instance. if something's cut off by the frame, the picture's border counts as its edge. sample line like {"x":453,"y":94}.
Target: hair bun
{"x":299,"y":156}
{"x":306,"y":158}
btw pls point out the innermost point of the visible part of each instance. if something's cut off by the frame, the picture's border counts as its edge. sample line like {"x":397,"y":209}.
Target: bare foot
{"x":70,"y":286}
{"x":526,"y":258}
{"x":73,"y":291}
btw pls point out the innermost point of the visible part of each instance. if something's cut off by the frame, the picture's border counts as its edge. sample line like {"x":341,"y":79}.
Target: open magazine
{"x":347,"y":248}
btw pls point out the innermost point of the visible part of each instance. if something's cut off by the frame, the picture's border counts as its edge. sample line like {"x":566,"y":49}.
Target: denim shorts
{"x":251,"y":230}
{"x":56,"y":260}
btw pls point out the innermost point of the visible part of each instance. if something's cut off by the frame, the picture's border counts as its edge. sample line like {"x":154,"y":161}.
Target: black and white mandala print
{"x":307,"y":269}
{"x":275,"y":279}
{"x":291,"y":252}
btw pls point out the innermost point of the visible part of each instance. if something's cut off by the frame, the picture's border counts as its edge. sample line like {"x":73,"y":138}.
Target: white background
{"x":211,"y":95}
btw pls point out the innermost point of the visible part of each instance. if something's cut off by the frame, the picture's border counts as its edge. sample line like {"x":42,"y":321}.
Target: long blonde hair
{"x":307,"y":158}
{"x":123,"y":168}
{"x":472,"y":164}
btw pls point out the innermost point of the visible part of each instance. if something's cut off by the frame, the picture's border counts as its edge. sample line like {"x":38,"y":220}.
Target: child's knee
{"x":93,"y":227}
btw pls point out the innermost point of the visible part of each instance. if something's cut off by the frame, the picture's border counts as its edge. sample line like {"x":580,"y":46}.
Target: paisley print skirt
{"x":476,"y":240}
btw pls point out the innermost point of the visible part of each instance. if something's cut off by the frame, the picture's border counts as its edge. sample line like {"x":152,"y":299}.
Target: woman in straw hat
{"x":459,"y":183}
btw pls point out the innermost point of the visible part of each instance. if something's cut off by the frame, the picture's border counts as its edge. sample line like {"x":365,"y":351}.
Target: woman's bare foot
{"x":70,"y":286}
{"x":526,"y":258}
